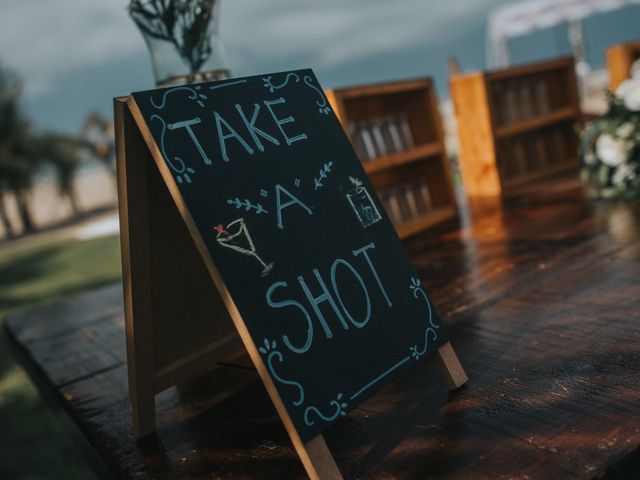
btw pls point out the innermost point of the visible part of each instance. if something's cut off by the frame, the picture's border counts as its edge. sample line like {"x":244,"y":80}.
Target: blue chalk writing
{"x":291,"y":303}
{"x":334,"y":283}
{"x":418,"y":292}
{"x":186,"y":124}
{"x":272,"y":88}
{"x":340,"y":410}
{"x":225,"y":136}
{"x":269,"y":350}
{"x":247,"y":205}
{"x":363,"y":250}
{"x":326,"y":168}
{"x":293,"y":200}
{"x":323,"y":107}
{"x":194,"y":94}
{"x":253,"y":130}
{"x":284,"y":121}
{"x":379,"y":377}
{"x":181,"y":171}
{"x":227,"y":84}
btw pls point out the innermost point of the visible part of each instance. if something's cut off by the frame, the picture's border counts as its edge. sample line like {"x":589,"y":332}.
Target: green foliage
{"x":610,"y":152}
{"x":34,"y":446}
{"x":23,"y":152}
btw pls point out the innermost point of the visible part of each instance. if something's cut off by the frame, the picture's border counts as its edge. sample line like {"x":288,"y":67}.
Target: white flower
{"x":611,"y":151}
{"x":625,"y":130}
{"x":590,"y":158}
{"x":635,"y":69}
{"x":622,"y":173}
{"x":629,"y":92}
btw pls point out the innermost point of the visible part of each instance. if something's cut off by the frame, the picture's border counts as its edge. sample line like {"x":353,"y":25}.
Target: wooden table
{"x":542,"y":302}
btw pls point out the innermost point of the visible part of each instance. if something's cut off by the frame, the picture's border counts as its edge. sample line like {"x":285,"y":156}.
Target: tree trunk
{"x":75,"y":208}
{"x":4,"y":218}
{"x":25,"y":213}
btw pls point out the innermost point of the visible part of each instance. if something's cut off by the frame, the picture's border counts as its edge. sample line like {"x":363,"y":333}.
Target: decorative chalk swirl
{"x":181,"y":171}
{"x":272,"y":88}
{"x":269,"y":349}
{"x":323,"y":107}
{"x":416,"y":288}
{"x":194,"y":94}
{"x":340,"y":409}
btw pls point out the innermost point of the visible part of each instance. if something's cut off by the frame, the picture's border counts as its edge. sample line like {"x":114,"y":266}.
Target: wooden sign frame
{"x":155,"y":226}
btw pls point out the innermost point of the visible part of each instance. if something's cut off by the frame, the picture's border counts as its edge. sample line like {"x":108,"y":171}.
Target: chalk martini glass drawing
{"x":236,"y":237}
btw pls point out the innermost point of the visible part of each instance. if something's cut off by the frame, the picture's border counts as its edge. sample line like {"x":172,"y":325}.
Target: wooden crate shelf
{"x":401,"y":158}
{"x":396,"y":132}
{"x":516,"y":126}
{"x":619,"y":60}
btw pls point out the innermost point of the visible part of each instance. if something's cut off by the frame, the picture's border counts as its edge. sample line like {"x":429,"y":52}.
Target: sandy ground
{"x":96,"y":194}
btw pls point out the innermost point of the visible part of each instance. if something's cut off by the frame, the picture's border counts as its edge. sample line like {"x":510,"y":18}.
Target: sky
{"x":76,"y":55}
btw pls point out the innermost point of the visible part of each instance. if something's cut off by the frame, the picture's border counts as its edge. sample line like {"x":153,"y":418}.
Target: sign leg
{"x":453,"y":372}
{"x":318,"y":460}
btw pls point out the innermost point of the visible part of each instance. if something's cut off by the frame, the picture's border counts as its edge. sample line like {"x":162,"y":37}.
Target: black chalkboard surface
{"x":298,"y":236}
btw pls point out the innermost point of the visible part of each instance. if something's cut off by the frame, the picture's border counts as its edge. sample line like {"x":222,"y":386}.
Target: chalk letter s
{"x":291,"y":303}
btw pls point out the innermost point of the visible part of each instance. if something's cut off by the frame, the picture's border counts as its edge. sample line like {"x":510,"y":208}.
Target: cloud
{"x":46,"y":40}
{"x":334,"y":32}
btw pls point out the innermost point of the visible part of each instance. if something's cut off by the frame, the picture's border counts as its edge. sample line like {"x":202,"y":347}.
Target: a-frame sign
{"x":247,"y":219}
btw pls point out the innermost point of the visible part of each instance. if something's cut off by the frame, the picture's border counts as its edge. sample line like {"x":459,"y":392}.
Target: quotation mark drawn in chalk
{"x":247,"y":205}
{"x":296,"y":182}
{"x":326,"y":168}
{"x":362,"y":204}
{"x":236,"y":237}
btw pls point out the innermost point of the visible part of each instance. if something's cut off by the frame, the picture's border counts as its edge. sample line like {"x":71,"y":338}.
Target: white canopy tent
{"x":517,"y":19}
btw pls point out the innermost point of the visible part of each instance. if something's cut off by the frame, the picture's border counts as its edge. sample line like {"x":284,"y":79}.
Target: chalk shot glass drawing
{"x":236,"y":237}
{"x":363,"y":204}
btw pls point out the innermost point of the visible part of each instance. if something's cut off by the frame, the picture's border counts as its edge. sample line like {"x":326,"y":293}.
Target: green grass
{"x":32,"y":272}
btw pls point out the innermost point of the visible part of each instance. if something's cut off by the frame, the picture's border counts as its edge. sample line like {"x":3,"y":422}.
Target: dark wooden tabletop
{"x":542,"y":303}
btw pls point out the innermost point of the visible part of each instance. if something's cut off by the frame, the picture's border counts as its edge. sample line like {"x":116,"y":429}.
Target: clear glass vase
{"x":183,"y":39}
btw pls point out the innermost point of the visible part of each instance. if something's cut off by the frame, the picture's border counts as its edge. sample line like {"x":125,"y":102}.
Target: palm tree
{"x":16,"y":162}
{"x":97,"y":133}
{"x":63,"y":152}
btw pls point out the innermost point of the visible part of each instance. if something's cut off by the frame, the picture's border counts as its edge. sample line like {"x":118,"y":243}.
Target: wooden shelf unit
{"x":396,"y":131}
{"x":516,"y":126}
{"x":619,"y":60}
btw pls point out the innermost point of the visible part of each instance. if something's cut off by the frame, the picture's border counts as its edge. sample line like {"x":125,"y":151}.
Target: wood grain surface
{"x":541,"y":299}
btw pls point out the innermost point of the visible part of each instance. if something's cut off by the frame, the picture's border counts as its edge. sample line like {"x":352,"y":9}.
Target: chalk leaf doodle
{"x":247,"y":205}
{"x":362,"y":204}
{"x":322,"y":104}
{"x":176,"y":164}
{"x":236,"y":237}
{"x":418,"y":292}
{"x":326,"y":168}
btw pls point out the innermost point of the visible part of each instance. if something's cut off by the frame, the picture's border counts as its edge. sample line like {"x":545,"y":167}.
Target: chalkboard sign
{"x":312,"y":271}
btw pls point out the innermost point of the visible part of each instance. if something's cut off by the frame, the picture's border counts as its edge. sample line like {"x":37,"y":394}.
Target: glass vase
{"x":183,"y":39}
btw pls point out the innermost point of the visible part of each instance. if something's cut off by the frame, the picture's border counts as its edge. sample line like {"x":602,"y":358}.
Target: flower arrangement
{"x":182,"y":23}
{"x":610,"y":145}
